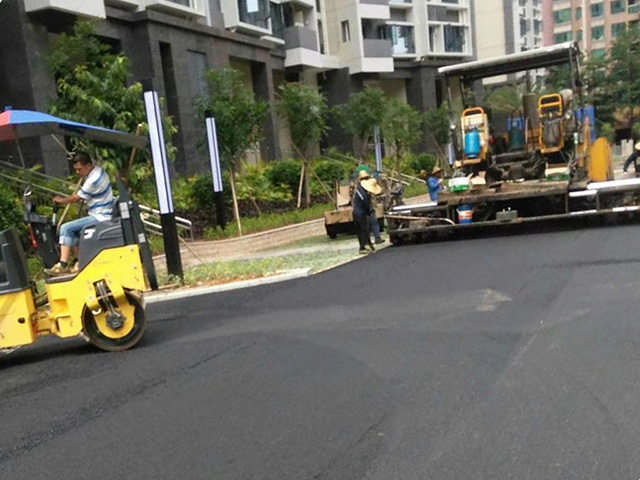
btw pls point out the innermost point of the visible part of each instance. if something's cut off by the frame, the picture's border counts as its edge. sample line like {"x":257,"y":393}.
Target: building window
{"x":597,"y":10}
{"x":634,"y":6}
{"x":346,"y":33}
{"x":618,"y":29}
{"x":562,"y":37}
{"x":579,"y":36}
{"x":562,"y":16}
{"x":598,"y":53}
{"x":537,"y":27}
{"x":597,"y":33}
{"x":277,"y":20}
{"x":401,"y":38}
{"x":255,"y":12}
{"x":578,"y":13}
{"x":454,"y":39}
{"x":617,"y":6}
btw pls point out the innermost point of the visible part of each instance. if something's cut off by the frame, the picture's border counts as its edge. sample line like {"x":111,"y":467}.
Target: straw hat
{"x":457,"y":164}
{"x":371,"y":186}
{"x":637,"y":146}
{"x":422,"y":174}
{"x":436,"y":170}
{"x":363,"y":174}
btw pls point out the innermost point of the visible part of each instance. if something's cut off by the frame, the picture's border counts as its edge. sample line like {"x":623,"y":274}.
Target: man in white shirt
{"x":97,"y":194}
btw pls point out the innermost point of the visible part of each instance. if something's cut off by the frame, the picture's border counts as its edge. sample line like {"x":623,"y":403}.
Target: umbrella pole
{"x":20,"y":154}
{"x":62,"y":146}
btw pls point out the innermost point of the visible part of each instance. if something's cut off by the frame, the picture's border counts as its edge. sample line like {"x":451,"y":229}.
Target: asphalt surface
{"x":491,"y":358}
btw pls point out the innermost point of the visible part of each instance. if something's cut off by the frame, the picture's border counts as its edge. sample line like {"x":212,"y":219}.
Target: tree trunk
{"x":236,"y":212}
{"x":364,"y":149}
{"x":307,"y":192}
{"x":300,"y":184}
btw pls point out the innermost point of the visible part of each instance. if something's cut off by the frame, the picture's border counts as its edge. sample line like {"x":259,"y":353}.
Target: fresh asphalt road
{"x":514,"y":357}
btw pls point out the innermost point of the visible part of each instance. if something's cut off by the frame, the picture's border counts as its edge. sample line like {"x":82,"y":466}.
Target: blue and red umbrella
{"x":16,"y":124}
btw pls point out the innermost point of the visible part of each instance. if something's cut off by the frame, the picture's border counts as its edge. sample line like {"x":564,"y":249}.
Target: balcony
{"x":82,"y":8}
{"x":186,"y":8}
{"x":374,"y":9}
{"x":400,"y":3}
{"x":377,"y":48}
{"x":248,"y":16}
{"x":254,"y":12}
{"x":125,"y":4}
{"x":300,"y":37}
{"x":302,"y":3}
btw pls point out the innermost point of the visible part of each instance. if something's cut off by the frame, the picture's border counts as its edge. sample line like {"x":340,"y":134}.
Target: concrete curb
{"x":193,"y":292}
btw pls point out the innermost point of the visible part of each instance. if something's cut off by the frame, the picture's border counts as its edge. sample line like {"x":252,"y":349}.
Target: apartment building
{"x":508,"y":26}
{"x":594,"y":24}
{"x":340,"y":46}
{"x":395,"y":45}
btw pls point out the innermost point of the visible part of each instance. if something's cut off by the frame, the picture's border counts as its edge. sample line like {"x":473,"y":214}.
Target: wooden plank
{"x":507,"y":191}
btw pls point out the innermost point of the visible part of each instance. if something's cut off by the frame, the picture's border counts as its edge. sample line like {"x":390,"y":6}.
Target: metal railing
{"x":41,"y":186}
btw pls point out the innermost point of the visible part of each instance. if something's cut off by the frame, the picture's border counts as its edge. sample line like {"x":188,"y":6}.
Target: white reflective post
{"x":163,"y":184}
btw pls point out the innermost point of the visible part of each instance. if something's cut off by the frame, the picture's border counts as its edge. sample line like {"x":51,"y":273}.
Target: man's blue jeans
{"x":70,"y":231}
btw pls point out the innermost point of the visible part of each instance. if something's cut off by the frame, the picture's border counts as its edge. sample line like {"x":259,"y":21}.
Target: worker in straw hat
{"x":362,"y":208}
{"x":633,"y":158}
{"x":434,"y":183}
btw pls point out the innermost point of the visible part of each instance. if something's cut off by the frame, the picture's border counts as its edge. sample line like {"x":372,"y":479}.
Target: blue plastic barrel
{"x":472,"y":147}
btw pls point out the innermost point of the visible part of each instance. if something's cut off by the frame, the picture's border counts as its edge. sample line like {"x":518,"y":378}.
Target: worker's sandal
{"x":57,"y":270}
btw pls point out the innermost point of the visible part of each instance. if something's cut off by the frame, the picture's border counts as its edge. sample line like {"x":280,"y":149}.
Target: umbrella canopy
{"x":15,"y":124}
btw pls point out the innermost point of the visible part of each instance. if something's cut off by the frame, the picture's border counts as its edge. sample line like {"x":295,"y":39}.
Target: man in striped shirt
{"x":96,"y":193}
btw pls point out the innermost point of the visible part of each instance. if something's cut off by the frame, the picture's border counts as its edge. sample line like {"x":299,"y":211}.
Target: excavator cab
{"x":551,"y":133}
{"x":475,"y":135}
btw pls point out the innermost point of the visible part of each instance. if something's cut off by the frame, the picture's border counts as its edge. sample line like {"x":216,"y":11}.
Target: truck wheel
{"x":129,"y":334}
{"x":395,"y":239}
{"x":332,"y":232}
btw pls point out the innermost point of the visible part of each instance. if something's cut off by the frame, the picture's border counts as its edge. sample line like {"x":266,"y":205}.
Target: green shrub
{"x":329,"y":171}
{"x":202,"y":190}
{"x":285,"y":172}
{"x":11,"y":214}
{"x":182,"y":193}
{"x":422,"y":161}
{"x":253,"y":183}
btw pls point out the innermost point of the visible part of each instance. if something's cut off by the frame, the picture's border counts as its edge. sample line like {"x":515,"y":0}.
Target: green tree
{"x":401,"y":128}
{"x":599,"y":92}
{"x":361,"y":114}
{"x":239,"y":119}
{"x":437,"y":123}
{"x":504,"y":100}
{"x":613,"y":83}
{"x":305,"y":111}
{"x":556,"y":79}
{"x":624,"y":77}
{"x":91,"y":86}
